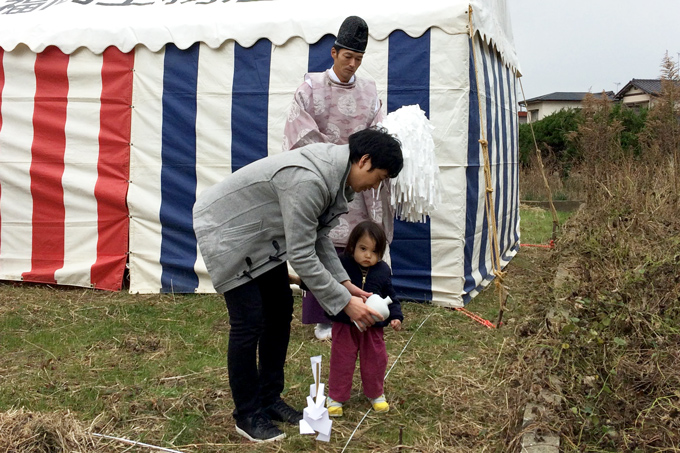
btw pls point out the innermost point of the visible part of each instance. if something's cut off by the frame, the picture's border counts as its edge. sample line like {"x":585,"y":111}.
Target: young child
{"x":362,"y":260}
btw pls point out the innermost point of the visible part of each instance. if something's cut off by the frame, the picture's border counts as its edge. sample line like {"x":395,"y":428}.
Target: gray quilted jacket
{"x":275,"y":209}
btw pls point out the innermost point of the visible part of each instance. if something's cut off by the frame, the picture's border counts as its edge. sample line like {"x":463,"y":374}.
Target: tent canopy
{"x":98,"y":24}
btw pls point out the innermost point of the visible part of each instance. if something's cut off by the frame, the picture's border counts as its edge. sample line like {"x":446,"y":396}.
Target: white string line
{"x":135,"y":443}
{"x":386,"y":374}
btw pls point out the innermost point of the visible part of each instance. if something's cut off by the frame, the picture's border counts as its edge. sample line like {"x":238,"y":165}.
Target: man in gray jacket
{"x":276,"y":209}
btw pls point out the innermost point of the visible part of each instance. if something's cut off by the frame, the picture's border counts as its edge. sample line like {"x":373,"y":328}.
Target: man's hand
{"x":360,"y":313}
{"x":354,"y":290}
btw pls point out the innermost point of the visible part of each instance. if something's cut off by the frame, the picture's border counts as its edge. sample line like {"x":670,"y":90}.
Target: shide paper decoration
{"x":416,"y":191}
{"x":315,"y":416}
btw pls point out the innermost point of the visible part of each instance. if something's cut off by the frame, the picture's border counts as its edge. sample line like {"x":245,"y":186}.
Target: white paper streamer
{"x":416,"y":191}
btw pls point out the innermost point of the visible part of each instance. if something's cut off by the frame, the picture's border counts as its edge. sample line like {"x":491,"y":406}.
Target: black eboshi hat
{"x":353,"y":34}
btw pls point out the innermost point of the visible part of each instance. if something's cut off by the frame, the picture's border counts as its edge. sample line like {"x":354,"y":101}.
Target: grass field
{"x":152,"y":369}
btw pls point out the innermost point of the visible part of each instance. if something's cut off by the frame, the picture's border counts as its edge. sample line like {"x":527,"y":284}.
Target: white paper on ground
{"x":323,"y":425}
{"x":324,"y":437}
{"x":312,"y":413}
{"x":315,"y":415}
{"x":305,"y":428}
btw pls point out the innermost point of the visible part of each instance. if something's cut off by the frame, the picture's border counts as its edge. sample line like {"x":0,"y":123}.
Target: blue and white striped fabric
{"x":498,"y":114}
{"x":201,"y":113}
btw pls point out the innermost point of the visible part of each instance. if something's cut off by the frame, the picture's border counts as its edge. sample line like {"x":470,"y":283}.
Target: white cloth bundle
{"x":416,"y":191}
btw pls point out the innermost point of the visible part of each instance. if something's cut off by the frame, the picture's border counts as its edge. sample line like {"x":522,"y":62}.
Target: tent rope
{"x":475,"y":317}
{"x":489,"y":196}
{"x":556,"y":222}
{"x":549,"y":245}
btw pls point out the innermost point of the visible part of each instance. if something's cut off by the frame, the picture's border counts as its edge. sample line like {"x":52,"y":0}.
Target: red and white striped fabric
{"x":63,"y":212}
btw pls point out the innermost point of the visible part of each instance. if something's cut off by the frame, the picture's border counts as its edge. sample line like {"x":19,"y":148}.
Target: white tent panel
{"x":80,"y":170}
{"x":213,"y":130}
{"x":16,"y":138}
{"x":290,"y":62}
{"x":145,"y":169}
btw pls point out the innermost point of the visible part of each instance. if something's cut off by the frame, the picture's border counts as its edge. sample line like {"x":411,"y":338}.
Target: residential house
{"x":522,"y":116}
{"x":542,"y":106}
{"x":639,"y":93}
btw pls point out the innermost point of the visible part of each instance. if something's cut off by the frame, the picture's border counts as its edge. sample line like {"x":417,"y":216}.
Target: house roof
{"x":573,"y":96}
{"x":649,"y":86}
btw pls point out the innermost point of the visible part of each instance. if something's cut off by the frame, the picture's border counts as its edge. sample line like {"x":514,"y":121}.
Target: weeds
{"x":603,"y":354}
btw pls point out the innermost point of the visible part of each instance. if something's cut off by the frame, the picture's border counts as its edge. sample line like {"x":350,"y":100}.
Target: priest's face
{"x":345,"y":63}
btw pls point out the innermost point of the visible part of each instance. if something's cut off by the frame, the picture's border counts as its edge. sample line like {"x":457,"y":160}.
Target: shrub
{"x":551,"y":136}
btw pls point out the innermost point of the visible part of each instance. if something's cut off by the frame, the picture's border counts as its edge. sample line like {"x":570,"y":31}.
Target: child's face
{"x":364,"y":251}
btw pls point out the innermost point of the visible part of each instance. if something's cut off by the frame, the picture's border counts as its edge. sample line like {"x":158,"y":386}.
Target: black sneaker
{"x":281,"y":412}
{"x":259,"y":428}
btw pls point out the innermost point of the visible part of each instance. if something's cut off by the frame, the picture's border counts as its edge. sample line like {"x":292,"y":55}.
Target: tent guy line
{"x":135,"y":443}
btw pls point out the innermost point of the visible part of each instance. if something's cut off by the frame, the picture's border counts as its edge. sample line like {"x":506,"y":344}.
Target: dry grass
{"x":24,"y":431}
{"x":604,"y":356}
{"x":602,"y":352}
{"x":532,"y":186}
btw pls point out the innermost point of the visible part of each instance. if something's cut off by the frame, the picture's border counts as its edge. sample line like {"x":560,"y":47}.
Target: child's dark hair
{"x":374,"y":231}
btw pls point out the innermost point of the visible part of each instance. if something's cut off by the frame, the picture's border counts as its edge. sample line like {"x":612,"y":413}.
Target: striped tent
{"x":116,"y":114}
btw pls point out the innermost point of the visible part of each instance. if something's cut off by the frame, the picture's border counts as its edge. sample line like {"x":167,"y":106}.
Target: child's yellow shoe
{"x":380,"y":404}
{"x":334,"y":407}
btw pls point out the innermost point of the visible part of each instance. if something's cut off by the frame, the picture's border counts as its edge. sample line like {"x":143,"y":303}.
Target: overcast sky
{"x":591,"y":45}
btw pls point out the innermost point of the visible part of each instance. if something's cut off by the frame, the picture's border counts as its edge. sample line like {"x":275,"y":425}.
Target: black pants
{"x":260,"y":312}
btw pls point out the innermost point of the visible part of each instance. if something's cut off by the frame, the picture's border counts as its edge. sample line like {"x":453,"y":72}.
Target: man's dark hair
{"x":383,"y":149}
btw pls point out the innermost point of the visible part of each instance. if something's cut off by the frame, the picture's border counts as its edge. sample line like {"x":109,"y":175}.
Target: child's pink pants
{"x":370,"y":345}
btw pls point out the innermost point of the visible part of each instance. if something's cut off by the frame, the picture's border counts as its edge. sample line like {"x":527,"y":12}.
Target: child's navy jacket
{"x":378,"y":281}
